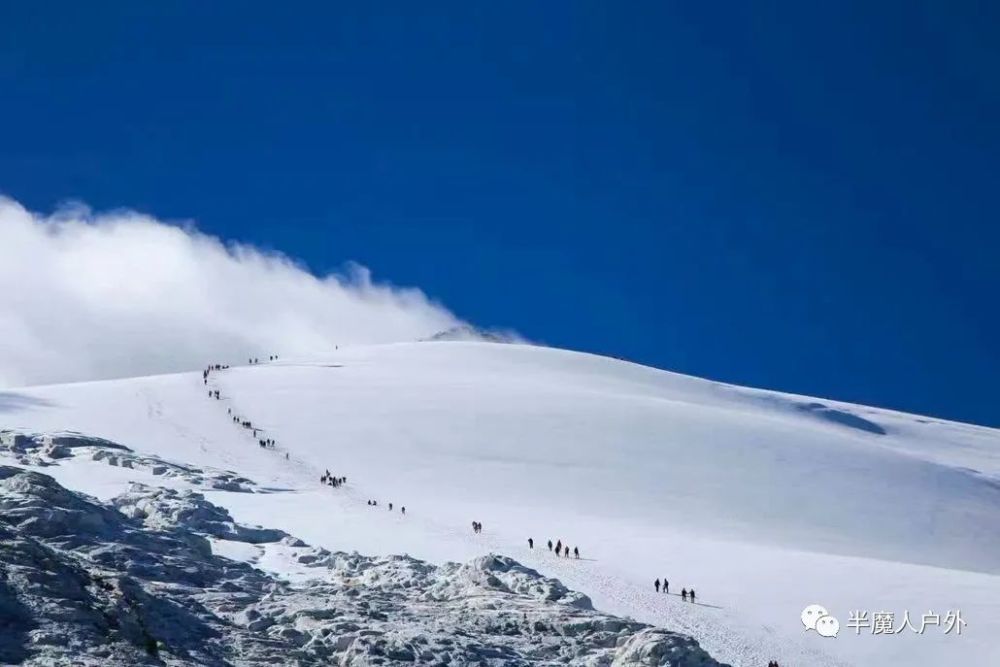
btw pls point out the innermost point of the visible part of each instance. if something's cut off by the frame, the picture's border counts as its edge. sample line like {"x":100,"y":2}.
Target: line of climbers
{"x":685,"y":594}
{"x":374,"y":503}
{"x":263,"y":443}
{"x":330,"y":480}
{"x":253,"y":361}
{"x":208,"y":369}
{"x":560,"y":548}
{"x":477,"y":527}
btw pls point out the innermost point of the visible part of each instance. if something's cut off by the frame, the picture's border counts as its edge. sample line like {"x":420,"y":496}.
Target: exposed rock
{"x":469,"y":333}
{"x":135,"y":583}
{"x":48,"y":449}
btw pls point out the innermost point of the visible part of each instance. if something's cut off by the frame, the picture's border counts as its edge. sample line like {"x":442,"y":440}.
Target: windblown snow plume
{"x":85,"y":296}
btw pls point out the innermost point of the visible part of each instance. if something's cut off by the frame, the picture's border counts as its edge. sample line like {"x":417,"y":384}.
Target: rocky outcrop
{"x":49,"y":449}
{"x":135,"y":582}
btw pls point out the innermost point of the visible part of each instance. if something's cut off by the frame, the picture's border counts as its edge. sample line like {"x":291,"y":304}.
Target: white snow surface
{"x":763,"y":502}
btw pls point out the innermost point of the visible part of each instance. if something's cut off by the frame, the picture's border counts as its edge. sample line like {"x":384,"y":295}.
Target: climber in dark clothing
{"x":390,"y":507}
{"x":550,"y":545}
{"x":403,"y":509}
{"x":576,"y":552}
{"x":666,"y":585}
{"x":531,"y":543}
{"x":657,"y":585}
{"x":558,"y":547}
{"x":692,"y":595}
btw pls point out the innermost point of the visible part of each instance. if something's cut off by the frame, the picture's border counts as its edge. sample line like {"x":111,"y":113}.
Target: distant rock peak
{"x":469,"y":333}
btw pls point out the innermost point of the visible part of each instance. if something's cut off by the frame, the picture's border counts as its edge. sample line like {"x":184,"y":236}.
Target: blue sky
{"x":791,"y":197}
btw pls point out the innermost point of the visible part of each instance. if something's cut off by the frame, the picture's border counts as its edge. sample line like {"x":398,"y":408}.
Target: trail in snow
{"x":761,"y":504}
{"x":722,"y":635}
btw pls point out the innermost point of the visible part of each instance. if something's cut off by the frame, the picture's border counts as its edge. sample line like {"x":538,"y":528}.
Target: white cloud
{"x":86,"y":296}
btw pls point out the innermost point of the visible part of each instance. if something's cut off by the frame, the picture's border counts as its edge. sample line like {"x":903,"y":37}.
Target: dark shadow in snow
{"x":698,"y":604}
{"x":841,"y":418}
{"x":10,"y":401}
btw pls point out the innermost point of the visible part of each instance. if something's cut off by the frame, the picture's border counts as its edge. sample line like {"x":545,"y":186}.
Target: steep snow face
{"x":764,"y":502}
{"x":83,"y":583}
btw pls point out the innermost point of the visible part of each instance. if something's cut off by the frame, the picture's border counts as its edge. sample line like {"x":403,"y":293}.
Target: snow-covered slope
{"x":763,"y":502}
